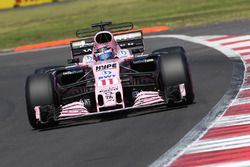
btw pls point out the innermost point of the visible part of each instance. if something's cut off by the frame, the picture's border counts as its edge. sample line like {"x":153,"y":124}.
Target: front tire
{"x":39,"y":91}
{"x":174,"y":71}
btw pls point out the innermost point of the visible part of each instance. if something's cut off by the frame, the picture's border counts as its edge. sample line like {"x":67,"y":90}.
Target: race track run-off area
{"x":225,"y":142}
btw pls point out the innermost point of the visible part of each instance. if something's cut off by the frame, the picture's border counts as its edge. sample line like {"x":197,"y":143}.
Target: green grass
{"x":52,"y":22}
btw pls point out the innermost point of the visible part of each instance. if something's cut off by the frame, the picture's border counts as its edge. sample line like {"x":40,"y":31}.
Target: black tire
{"x":43,"y":70}
{"x":174,"y":70}
{"x":39,"y":91}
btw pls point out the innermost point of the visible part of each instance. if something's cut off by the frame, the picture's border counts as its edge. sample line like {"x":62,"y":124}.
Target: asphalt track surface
{"x":134,"y":141}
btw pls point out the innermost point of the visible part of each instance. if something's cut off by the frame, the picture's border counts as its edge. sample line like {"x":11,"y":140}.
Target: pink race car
{"x":108,"y":73}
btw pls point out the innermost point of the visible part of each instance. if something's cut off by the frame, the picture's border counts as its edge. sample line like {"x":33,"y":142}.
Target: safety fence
{"x":5,"y":4}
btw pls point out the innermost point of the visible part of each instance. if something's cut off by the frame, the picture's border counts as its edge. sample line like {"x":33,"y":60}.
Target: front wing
{"x":99,"y":115}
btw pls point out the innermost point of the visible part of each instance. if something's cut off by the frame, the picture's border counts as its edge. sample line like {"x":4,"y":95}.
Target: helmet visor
{"x":104,"y":56}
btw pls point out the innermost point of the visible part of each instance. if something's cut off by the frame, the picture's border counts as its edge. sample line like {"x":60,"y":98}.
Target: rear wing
{"x":103,"y":26}
{"x":125,"y":40}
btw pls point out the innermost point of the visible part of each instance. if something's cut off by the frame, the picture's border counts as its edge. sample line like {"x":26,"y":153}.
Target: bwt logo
{"x":106,"y":72}
{"x":105,"y":67}
{"x":106,"y":77}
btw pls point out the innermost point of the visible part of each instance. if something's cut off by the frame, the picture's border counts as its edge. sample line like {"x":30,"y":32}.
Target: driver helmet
{"x":104,"y":53}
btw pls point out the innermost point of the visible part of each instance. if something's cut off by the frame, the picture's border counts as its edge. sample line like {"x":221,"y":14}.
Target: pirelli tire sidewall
{"x":174,"y":70}
{"x":39,"y":91}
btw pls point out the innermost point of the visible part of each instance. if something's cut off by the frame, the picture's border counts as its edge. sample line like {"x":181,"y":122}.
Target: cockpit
{"x":104,"y":53}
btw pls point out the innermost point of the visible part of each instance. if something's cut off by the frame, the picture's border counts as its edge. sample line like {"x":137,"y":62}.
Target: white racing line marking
{"x":193,"y":150}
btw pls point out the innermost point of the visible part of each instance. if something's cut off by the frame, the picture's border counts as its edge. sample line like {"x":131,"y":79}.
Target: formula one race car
{"x":108,"y":72}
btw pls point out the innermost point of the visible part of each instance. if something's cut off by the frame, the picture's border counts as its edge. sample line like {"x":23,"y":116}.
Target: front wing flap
{"x":128,"y":110}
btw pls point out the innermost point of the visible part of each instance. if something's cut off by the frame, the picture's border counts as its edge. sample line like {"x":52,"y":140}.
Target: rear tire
{"x":174,"y":71}
{"x":39,"y":91}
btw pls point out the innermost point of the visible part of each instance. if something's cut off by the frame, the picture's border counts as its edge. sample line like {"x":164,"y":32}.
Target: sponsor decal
{"x":87,"y":50}
{"x":149,"y":60}
{"x":87,"y":102}
{"x":78,"y":44}
{"x":143,"y":61}
{"x":123,"y":53}
{"x":124,"y":37}
{"x":106,"y":75}
{"x":88,"y":59}
{"x":106,"y":72}
{"x":85,"y":46}
{"x":109,"y":96}
{"x":89,"y":43}
{"x":105,"y":67}
{"x":110,"y":89}
{"x":72,"y":72}
{"x":129,"y":44}
{"x":108,"y":93}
